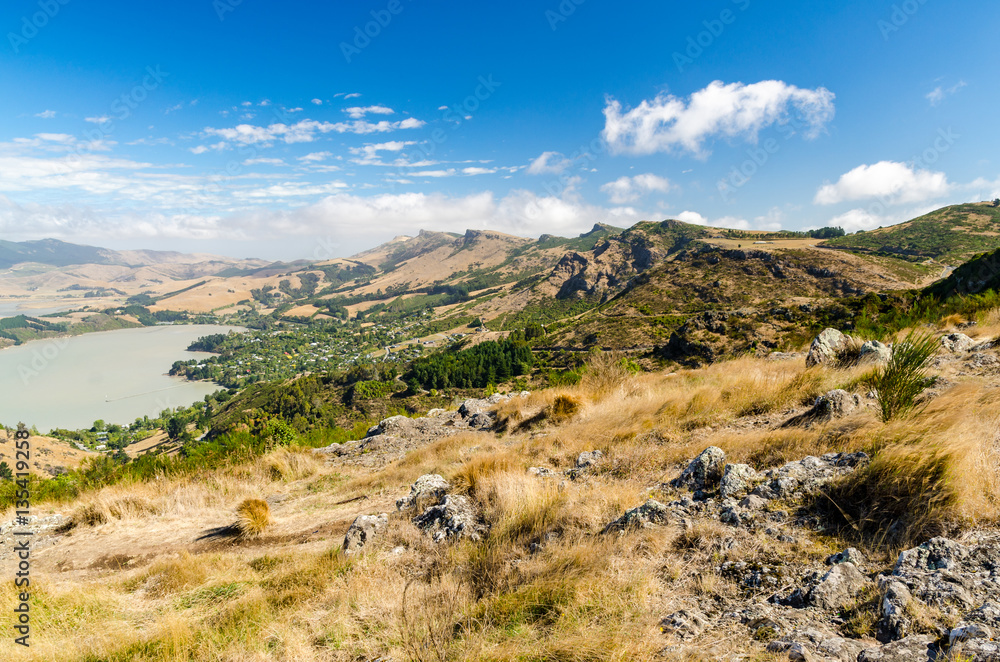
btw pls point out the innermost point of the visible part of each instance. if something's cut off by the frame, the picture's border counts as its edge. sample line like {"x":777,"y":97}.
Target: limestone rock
{"x":704,"y":472}
{"x":363,"y":530}
{"x":874,"y":352}
{"x":849,"y":555}
{"x":957,"y":342}
{"x":588,"y":459}
{"x":684,"y":624}
{"x":428,"y":490}
{"x":737,"y":480}
{"x":454,"y":517}
{"x":917,"y":648}
{"x":834,"y":404}
{"x":650,"y":513}
{"x":826,"y":347}
{"x":838,"y":587}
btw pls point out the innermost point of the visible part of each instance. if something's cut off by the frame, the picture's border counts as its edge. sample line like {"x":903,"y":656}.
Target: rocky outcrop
{"x":737,"y":480}
{"x":455,"y":517}
{"x":363,"y":530}
{"x":874,"y":352}
{"x":957,"y":343}
{"x":834,"y":404}
{"x":648,"y":514}
{"x":395,"y":436}
{"x":795,"y":480}
{"x":704,"y":472}
{"x":826,"y":347}
{"x":428,"y":490}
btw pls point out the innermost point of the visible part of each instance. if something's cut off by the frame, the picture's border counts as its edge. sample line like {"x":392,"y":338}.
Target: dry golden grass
{"x":254,"y":516}
{"x":544,"y":584}
{"x":115,"y":503}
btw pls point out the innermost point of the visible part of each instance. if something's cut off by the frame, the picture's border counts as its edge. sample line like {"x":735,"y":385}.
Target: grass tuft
{"x":254,"y":517}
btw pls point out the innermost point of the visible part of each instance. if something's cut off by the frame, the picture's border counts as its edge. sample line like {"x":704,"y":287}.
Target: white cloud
{"x":318,"y":102}
{"x":549,"y":163}
{"x":97,"y":120}
{"x":478,"y":171}
{"x":889,"y":180}
{"x":358,"y":112}
{"x":265,"y":161}
{"x":305,"y":130}
{"x":368,"y":154}
{"x":46,"y":114}
{"x":940,"y":93}
{"x":435,"y":173}
{"x":315,"y":157}
{"x":630,"y":189}
{"x":265,"y":103}
{"x":201,"y":149}
{"x":671,"y":124}
{"x":731,"y":222}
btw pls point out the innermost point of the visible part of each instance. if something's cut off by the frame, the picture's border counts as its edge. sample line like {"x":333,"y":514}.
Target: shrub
{"x":254,"y":517}
{"x":899,"y":382}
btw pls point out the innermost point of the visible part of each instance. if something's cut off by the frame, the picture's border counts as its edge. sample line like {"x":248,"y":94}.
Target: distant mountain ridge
{"x":56,"y":253}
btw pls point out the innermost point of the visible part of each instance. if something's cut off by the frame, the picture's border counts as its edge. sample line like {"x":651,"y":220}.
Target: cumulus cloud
{"x":731,"y":222}
{"x":318,"y":102}
{"x":368,"y":154}
{"x":672,"y":124}
{"x":629,"y":189}
{"x":305,"y":131}
{"x":478,"y":171}
{"x":46,"y":114}
{"x":358,"y":112}
{"x":315,"y":157}
{"x":891,"y":181}
{"x":549,"y":163}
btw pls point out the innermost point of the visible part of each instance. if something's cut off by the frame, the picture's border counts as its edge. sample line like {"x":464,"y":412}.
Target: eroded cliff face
{"x":607,"y":269}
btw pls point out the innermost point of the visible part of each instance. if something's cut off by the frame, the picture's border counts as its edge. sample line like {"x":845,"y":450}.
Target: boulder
{"x":588,"y":459}
{"x":650,"y":513}
{"x":838,"y":587}
{"x":874,"y":352}
{"x":917,"y":648}
{"x":812,"y":643}
{"x":826,"y":347}
{"x":684,"y":624}
{"x":363,"y":530}
{"x":454,"y":517}
{"x":957,"y":343}
{"x":849,"y":555}
{"x":704,"y":472}
{"x":834,"y":404}
{"x":428,"y":490}
{"x":737,"y":480}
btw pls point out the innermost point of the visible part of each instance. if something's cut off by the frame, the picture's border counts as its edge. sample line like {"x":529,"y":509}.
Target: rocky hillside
{"x":951,"y":235}
{"x":756,"y":509}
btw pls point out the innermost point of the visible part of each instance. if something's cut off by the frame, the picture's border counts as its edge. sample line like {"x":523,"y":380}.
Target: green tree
{"x":5,"y":472}
{"x":175,"y":427}
{"x":99,"y":426}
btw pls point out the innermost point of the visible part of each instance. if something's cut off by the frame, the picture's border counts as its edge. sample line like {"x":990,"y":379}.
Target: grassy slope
{"x":950,"y":235}
{"x":133,"y":582}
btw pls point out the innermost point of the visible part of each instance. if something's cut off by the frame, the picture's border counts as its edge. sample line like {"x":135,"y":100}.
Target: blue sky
{"x":283,"y":130}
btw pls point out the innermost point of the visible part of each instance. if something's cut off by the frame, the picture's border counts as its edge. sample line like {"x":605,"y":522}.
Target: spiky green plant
{"x":898,"y":384}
